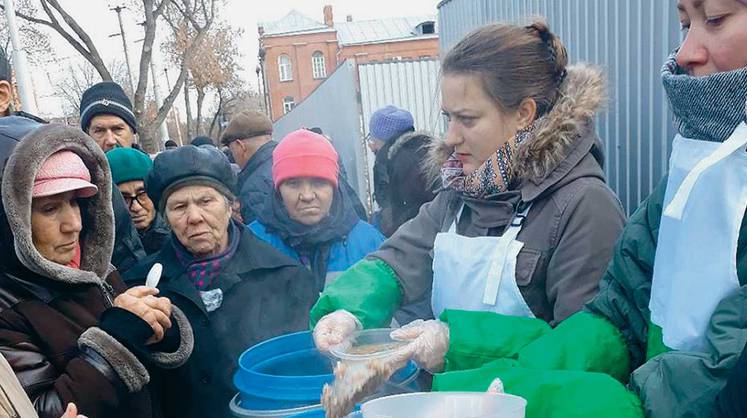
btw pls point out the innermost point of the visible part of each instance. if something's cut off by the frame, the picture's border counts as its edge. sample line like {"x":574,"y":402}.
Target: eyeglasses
{"x":139,"y":198}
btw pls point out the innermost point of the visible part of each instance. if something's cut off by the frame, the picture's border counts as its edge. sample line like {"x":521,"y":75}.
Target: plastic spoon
{"x":154,"y":275}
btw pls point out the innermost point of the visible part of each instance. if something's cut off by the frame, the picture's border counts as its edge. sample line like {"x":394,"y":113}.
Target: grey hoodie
{"x":570,"y":230}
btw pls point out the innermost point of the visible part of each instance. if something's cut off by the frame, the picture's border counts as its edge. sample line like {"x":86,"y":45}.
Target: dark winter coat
{"x":58,"y":329}
{"x":255,"y":182}
{"x":406,"y":186}
{"x":155,"y":235}
{"x":401,"y":185}
{"x":265,"y":294}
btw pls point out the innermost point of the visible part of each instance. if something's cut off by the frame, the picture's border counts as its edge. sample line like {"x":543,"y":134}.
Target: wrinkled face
{"x":716,"y":35}
{"x":307,"y":199}
{"x":110,"y":130}
{"x":56,"y":226}
{"x":199,"y":217}
{"x":477,"y":125}
{"x":142,"y":210}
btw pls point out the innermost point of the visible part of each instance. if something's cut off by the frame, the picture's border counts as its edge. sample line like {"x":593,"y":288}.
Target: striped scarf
{"x":203,"y":271}
{"x":708,"y":107}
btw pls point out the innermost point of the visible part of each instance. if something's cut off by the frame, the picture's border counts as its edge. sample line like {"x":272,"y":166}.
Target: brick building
{"x":297,"y":52}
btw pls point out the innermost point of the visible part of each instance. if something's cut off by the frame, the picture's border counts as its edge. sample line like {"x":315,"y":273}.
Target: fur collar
{"x":403,"y":139}
{"x":583,"y":93}
{"x":97,"y":238}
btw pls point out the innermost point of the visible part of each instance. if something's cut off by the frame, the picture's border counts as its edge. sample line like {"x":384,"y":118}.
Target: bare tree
{"x":214,"y":67}
{"x":198,"y":15}
{"x":233,"y":98}
{"x":79,"y":77}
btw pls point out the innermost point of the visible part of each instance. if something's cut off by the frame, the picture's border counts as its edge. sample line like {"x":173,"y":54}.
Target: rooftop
{"x":379,"y":30}
{"x":293,"y":22}
{"x":355,"y":32}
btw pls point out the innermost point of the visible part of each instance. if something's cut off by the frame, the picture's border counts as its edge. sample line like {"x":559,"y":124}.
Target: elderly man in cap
{"x":106,"y":115}
{"x":235,"y":289}
{"x":249,"y":138}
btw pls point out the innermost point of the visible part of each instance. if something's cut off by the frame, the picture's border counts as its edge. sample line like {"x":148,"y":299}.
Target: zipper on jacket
{"x":108,"y":292}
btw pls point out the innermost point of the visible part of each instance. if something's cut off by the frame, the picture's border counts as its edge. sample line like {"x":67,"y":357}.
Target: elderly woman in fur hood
{"x":69,"y":328}
{"x":525,"y":224}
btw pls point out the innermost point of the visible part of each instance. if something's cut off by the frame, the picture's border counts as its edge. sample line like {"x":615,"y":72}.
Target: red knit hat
{"x":303,"y":153}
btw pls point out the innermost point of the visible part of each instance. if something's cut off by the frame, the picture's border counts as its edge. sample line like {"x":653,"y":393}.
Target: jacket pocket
{"x":526,"y":264}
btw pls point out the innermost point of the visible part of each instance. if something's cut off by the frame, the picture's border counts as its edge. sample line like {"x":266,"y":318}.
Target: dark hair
{"x":513,"y":63}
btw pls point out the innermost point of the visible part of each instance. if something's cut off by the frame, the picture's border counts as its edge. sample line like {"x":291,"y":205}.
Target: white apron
{"x":478,"y":274}
{"x":695,"y":264}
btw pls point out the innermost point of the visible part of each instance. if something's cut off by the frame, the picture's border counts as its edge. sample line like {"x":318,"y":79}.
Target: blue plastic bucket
{"x":284,"y":377}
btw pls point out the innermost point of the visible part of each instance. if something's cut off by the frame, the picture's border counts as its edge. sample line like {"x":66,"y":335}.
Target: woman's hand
{"x":429,"y":342}
{"x":141,"y":301}
{"x":72,"y":412}
{"x":334,"y":329}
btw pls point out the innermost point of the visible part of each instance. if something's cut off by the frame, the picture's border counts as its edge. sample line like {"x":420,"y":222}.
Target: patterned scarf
{"x":203,"y":271}
{"x":494,"y":176}
{"x":709,"y":107}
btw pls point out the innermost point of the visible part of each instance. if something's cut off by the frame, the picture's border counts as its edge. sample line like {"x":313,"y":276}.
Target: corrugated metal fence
{"x":411,"y":85}
{"x":630,"y":39}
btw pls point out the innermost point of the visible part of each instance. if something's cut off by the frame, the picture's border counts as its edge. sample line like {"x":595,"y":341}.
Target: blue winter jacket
{"x":362,"y":240}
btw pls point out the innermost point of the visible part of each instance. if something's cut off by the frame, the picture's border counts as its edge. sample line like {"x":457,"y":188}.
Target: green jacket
{"x":578,"y":369}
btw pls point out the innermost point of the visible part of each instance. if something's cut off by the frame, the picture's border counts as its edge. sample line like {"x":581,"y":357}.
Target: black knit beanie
{"x":106,"y":98}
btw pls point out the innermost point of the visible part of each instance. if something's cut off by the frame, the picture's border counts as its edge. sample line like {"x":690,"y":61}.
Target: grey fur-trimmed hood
{"x":409,"y":136}
{"x":556,"y":134}
{"x":97,"y":237}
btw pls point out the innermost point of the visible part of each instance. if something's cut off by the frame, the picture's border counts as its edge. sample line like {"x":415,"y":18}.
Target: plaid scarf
{"x":203,"y":271}
{"x":494,"y":176}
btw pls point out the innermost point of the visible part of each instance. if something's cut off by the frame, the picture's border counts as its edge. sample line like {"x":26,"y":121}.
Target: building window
{"x":288,"y":104}
{"x":317,"y":65}
{"x":426,"y":28}
{"x":284,"y":68}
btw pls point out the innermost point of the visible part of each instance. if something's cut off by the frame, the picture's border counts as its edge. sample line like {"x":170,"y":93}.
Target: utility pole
{"x":23,"y":76}
{"x":119,"y":9}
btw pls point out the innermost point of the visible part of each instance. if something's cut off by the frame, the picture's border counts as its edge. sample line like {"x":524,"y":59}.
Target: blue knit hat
{"x":390,"y":122}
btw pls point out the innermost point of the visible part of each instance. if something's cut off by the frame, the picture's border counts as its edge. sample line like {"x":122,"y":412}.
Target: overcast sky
{"x":100,"y":23}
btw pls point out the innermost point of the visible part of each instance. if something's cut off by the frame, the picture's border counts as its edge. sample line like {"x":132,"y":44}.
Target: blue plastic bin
{"x":284,"y":377}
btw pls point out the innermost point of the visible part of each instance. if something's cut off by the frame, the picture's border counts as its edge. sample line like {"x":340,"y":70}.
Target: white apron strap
{"x":493,"y":281}
{"x":737,"y":141}
{"x":452,"y":228}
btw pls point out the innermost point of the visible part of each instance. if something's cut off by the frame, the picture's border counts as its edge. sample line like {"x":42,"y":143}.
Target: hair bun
{"x":558,"y":53}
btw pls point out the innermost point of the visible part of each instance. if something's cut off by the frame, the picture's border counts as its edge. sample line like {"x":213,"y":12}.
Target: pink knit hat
{"x":303,"y":153}
{"x":62,"y":172}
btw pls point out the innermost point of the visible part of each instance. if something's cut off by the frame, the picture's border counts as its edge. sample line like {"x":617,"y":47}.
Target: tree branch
{"x":89,"y":52}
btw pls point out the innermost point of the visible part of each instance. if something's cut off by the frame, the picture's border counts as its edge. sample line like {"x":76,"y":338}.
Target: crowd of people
{"x":500,"y":250}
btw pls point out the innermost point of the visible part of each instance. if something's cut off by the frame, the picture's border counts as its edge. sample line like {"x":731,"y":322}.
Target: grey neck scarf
{"x":709,"y":107}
